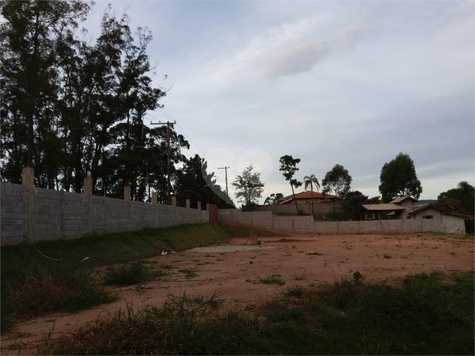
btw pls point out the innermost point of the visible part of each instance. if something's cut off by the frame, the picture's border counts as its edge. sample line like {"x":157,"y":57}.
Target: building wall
{"x":306,"y":224}
{"x":37,"y":214}
{"x":408,"y":205}
{"x":453,"y":224}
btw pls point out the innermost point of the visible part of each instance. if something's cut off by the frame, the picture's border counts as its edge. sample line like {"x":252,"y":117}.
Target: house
{"x":306,"y":198}
{"x":450,"y":221}
{"x":398,"y":208}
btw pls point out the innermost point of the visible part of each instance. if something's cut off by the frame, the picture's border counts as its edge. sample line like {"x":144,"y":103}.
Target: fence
{"x":306,"y":224}
{"x":37,"y":214}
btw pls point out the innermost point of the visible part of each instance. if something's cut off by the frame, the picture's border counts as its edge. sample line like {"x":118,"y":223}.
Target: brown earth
{"x":231,"y":272}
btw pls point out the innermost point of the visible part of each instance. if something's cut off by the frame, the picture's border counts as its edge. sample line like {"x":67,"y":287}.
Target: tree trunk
{"x":311,"y":190}
{"x":293,"y":193}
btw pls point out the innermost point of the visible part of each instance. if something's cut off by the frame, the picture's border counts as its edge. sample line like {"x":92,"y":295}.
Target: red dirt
{"x":227,"y":272}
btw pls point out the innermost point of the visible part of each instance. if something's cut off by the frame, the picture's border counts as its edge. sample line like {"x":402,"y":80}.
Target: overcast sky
{"x":328,"y":82}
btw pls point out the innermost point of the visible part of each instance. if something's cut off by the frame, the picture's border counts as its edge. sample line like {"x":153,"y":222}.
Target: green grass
{"x":48,"y":277}
{"x":426,"y":314}
{"x":294,"y":291}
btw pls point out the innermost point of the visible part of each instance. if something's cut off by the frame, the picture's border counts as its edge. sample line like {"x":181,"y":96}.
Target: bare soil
{"x":231,"y":271}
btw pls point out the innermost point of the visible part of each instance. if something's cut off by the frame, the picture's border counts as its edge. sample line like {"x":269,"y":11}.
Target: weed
{"x":294,"y":291}
{"x":272,"y":279}
{"x":189,"y":273}
{"x":33,"y":285}
{"x":424,"y":315}
{"x":387,"y":256}
{"x":300,"y":278}
{"x":130,"y":274}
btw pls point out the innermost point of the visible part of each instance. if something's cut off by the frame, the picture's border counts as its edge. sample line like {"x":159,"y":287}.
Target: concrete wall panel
{"x":37,"y":214}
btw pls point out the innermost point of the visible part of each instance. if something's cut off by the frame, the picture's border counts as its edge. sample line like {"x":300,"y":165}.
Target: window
{"x":427,"y":216}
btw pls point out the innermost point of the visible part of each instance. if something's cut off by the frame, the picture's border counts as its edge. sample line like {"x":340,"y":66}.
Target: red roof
{"x":307,"y":195}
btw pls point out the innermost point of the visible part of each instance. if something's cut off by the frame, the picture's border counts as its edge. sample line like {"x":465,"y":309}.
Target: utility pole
{"x":168,"y":123}
{"x":226,"y":177}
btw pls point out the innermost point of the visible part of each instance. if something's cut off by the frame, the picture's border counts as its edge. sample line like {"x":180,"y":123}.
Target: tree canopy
{"x":72,"y":108}
{"x":273,"y":199}
{"x":398,"y":178}
{"x":195,"y":183}
{"x":288,"y":167}
{"x":337,"y":181}
{"x":248,"y":186}
{"x":460,"y":199}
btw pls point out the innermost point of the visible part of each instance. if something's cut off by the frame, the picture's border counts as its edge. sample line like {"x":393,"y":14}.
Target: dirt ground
{"x":231,"y":272}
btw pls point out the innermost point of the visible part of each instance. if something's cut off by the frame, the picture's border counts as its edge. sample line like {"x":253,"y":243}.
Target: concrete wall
{"x":303,"y":224}
{"x":37,"y":214}
{"x":321,"y":207}
{"x":453,"y":224}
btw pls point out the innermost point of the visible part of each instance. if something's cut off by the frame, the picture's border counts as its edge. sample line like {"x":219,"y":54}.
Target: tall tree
{"x":249,"y":186}
{"x":398,"y":178}
{"x":460,"y":199}
{"x":338,"y":181}
{"x":288,"y":165}
{"x":311,"y":180}
{"x":273,"y":198}
{"x":195,"y":183}
{"x":29,"y":39}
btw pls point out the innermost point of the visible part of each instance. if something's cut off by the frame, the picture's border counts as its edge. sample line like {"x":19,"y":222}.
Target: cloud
{"x":297,"y":59}
{"x":302,"y":57}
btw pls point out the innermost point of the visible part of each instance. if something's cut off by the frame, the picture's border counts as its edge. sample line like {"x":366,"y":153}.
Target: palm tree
{"x":311,"y":181}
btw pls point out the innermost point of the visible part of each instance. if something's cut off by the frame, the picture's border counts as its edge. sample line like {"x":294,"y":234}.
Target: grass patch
{"x":54,"y":276}
{"x":42,"y":292}
{"x":387,"y":256}
{"x":294,"y":291}
{"x":272,"y":279}
{"x":426,"y":314}
{"x":131,"y":274}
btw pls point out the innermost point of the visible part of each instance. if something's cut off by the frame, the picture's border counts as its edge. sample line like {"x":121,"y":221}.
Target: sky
{"x":329,"y":82}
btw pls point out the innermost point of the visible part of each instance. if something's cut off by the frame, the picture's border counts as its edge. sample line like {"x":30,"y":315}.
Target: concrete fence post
{"x":127,"y":192}
{"x":173,"y":201}
{"x":199,"y":206}
{"x":154,"y":198}
{"x":188,"y":203}
{"x":27,"y":179}
{"x":27,"y":176}
{"x":88,"y":186}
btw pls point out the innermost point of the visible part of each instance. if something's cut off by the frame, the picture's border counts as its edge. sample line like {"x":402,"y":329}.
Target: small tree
{"x":311,"y":181}
{"x":338,"y":181}
{"x":288,"y":165}
{"x":398,"y":178}
{"x":249,"y":186}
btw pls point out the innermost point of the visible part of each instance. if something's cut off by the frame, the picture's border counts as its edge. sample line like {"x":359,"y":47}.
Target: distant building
{"x":404,"y":208}
{"x":398,"y":208}
{"x":306,"y":198}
